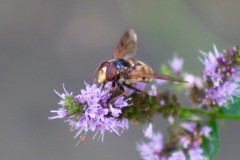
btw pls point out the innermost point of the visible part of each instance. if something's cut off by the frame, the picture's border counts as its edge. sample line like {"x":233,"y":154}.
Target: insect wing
{"x":167,"y":78}
{"x":157,"y":76}
{"x":127,"y":45}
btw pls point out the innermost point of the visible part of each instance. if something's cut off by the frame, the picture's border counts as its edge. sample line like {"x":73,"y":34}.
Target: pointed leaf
{"x":233,"y":108}
{"x":211,"y":145}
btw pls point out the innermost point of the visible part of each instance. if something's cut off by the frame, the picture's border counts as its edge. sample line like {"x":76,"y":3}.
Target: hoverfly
{"x":124,"y":71}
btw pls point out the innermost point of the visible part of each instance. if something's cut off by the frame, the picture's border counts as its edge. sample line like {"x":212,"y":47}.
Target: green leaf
{"x":164,"y":69}
{"x":211,"y":145}
{"x":233,"y":108}
{"x":188,"y":116}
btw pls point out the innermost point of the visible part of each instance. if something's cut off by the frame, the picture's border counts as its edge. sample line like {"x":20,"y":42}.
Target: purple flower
{"x":96,"y":115}
{"x":191,"y":126}
{"x":153,"y":91}
{"x":160,"y":82}
{"x":211,"y":64}
{"x":192,"y":80}
{"x":186,"y":146}
{"x":63,"y":96}
{"x":185,"y":141}
{"x":148,"y":131}
{"x":176,"y":64}
{"x":108,"y":85}
{"x":61,"y":113}
{"x":196,"y":153}
{"x":139,"y":85}
{"x":147,"y":153}
{"x":177,"y":155}
{"x":115,"y":111}
{"x":80,"y":99}
{"x":151,"y":150}
{"x":124,"y":124}
{"x":101,"y":113}
{"x":205,"y":130}
{"x":224,"y":76}
{"x":82,"y":124}
{"x":225,"y":92}
{"x":120,"y":102}
{"x":162,"y":102}
{"x":155,"y":141}
{"x":92,"y":102}
{"x":98,"y":121}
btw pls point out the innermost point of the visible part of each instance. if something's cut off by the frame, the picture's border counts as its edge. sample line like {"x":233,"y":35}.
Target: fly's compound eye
{"x":111,"y":73}
{"x":102,"y":72}
{"x":102,"y":75}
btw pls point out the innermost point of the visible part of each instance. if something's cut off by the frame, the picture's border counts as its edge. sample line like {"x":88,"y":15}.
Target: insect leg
{"x":103,"y":86}
{"x":115,"y":98}
{"x":112,"y":88}
{"x":120,"y":87}
{"x":131,"y":87}
{"x":122,"y":94}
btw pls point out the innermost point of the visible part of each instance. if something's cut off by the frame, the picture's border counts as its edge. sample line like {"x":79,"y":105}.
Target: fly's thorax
{"x":120,"y":63}
{"x":131,"y":62}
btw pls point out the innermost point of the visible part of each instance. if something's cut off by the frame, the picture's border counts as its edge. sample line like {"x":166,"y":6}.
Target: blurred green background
{"x":44,"y":43}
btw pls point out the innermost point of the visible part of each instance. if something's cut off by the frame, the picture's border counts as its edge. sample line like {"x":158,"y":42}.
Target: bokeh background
{"x":44,"y":43}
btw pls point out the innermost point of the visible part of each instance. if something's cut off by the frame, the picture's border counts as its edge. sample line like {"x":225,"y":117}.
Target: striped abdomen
{"x":139,"y":68}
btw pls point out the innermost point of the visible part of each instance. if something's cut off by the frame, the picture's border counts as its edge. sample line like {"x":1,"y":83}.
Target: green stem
{"x":210,"y":114}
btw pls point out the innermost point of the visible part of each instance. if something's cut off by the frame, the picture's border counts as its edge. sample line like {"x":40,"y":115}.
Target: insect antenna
{"x":94,"y":75}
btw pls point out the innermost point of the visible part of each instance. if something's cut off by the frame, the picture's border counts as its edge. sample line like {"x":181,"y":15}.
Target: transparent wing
{"x":157,"y":76}
{"x":127,"y":45}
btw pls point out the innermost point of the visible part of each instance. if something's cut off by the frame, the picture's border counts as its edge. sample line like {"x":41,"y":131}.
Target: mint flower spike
{"x":210,"y":62}
{"x":61,"y":112}
{"x":177,"y":155}
{"x":205,"y":130}
{"x":184,"y":143}
{"x":97,"y":116}
{"x":176,"y":64}
{"x":89,"y":111}
{"x":151,"y":149}
{"x":196,"y":153}
{"x":148,"y":131}
{"x":221,"y":76}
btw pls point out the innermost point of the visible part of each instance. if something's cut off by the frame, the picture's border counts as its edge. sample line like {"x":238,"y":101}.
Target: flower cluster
{"x":151,"y":149}
{"x":221,"y":75}
{"x":92,"y":110}
{"x":101,"y":109}
{"x":184,"y":144}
